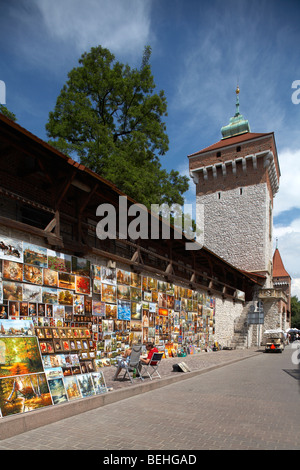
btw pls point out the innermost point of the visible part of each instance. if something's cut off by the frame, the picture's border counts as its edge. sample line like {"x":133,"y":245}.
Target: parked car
{"x":274,"y":340}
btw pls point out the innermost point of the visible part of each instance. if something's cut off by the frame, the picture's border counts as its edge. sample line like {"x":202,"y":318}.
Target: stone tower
{"x":236,"y":180}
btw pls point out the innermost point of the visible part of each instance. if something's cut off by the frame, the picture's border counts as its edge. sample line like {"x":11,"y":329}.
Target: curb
{"x":17,"y":424}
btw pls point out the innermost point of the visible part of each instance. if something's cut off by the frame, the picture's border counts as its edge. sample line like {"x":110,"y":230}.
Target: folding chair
{"x":152,"y":366}
{"x":133,"y":363}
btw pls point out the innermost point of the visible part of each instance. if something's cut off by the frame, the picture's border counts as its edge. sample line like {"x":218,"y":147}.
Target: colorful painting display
{"x":30,"y":380}
{"x":118,"y":306}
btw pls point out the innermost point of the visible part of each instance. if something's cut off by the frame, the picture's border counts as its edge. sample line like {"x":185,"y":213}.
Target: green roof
{"x":237,"y":124}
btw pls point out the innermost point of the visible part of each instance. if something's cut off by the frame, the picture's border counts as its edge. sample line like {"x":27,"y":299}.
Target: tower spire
{"x":237,"y":124}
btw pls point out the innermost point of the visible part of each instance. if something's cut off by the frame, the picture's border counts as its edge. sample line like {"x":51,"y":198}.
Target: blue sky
{"x":200,"y":50}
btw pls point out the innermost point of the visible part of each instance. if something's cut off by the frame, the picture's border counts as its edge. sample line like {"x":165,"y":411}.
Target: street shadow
{"x":295,"y":373}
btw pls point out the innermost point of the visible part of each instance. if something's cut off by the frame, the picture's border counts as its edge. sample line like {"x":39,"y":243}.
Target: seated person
{"x":151,"y":350}
{"x":121,"y":361}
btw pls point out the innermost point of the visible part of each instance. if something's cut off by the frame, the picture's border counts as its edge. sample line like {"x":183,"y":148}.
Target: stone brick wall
{"x":237,"y":226}
{"x":227,"y":314}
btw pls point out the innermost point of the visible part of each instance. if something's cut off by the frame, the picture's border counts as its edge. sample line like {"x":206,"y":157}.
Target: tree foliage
{"x":110,"y":117}
{"x":295,"y":312}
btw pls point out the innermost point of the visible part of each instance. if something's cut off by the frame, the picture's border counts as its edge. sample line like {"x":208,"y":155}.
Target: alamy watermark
{"x":2,"y":92}
{"x":296,"y":93}
{"x":162,"y":222}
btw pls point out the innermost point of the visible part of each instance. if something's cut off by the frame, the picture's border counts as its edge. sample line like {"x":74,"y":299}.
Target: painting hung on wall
{"x":82,"y":285}
{"x":36,"y":255}
{"x":124,"y":310}
{"x":81,"y":266}
{"x":24,"y":393}
{"x":59,"y":261}
{"x":32,"y":293}
{"x":19,"y":355}
{"x":12,"y":271}
{"x":16,"y":328}
{"x":66,"y":281}
{"x":12,"y":290}
{"x":11,"y":249}
{"x":33,"y":274}
{"x":49,"y":295}
{"x":3,"y":311}
{"x":65,"y":297}
{"x":108,"y":275}
{"x":50,"y":278}
{"x":109,"y":293}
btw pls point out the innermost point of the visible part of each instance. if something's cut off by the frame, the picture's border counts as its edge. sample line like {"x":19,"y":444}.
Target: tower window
{"x":241,"y":191}
{"x":238,"y":149}
{"x":218,"y":154}
{"x":219,"y":195}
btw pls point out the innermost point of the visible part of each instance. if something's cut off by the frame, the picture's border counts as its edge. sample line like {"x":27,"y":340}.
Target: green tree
{"x":295,"y":312}
{"x":109,"y":116}
{"x":4,"y":110}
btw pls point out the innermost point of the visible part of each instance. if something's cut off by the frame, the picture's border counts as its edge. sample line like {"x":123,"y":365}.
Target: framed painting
{"x":109,"y":293}
{"x":111,"y":311}
{"x":32,"y":293}
{"x":98,"y":308}
{"x":11,"y":249}
{"x":123,"y":277}
{"x":24,"y":309}
{"x":59,"y":261}
{"x":12,"y":291}
{"x":86,"y":385}
{"x":65,"y":297}
{"x":49,"y":295}
{"x":81,"y":266}
{"x":124,"y":310}
{"x":24,"y":393}
{"x":108,"y":275}
{"x":12,"y":270}
{"x":57,"y":390}
{"x":3,"y":311}
{"x":99,"y":382}
{"x":50,"y":278}
{"x":72,"y":387}
{"x":123,"y":292}
{"x":34,"y":254}
{"x":82,"y":285}
{"x":19,"y":355}
{"x":14,"y":308}
{"x":66,"y":281}
{"x":33,"y":274}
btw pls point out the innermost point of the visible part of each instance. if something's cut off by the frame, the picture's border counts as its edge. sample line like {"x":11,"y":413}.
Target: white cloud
{"x":288,"y":195}
{"x":121,"y":26}
{"x":296,"y":287}
{"x":53,"y":34}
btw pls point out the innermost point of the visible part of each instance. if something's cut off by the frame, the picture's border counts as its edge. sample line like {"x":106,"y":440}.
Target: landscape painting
{"x":59,"y":261}
{"x":24,"y":393}
{"x":34,"y":254}
{"x":19,"y":356}
{"x":81,"y":266}
{"x":57,"y":390}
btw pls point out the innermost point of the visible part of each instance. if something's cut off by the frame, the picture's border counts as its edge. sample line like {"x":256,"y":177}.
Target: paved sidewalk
{"x":196,"y":363}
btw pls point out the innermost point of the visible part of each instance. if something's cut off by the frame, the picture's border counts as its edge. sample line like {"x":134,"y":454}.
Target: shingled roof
{"x":278,"y":266}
